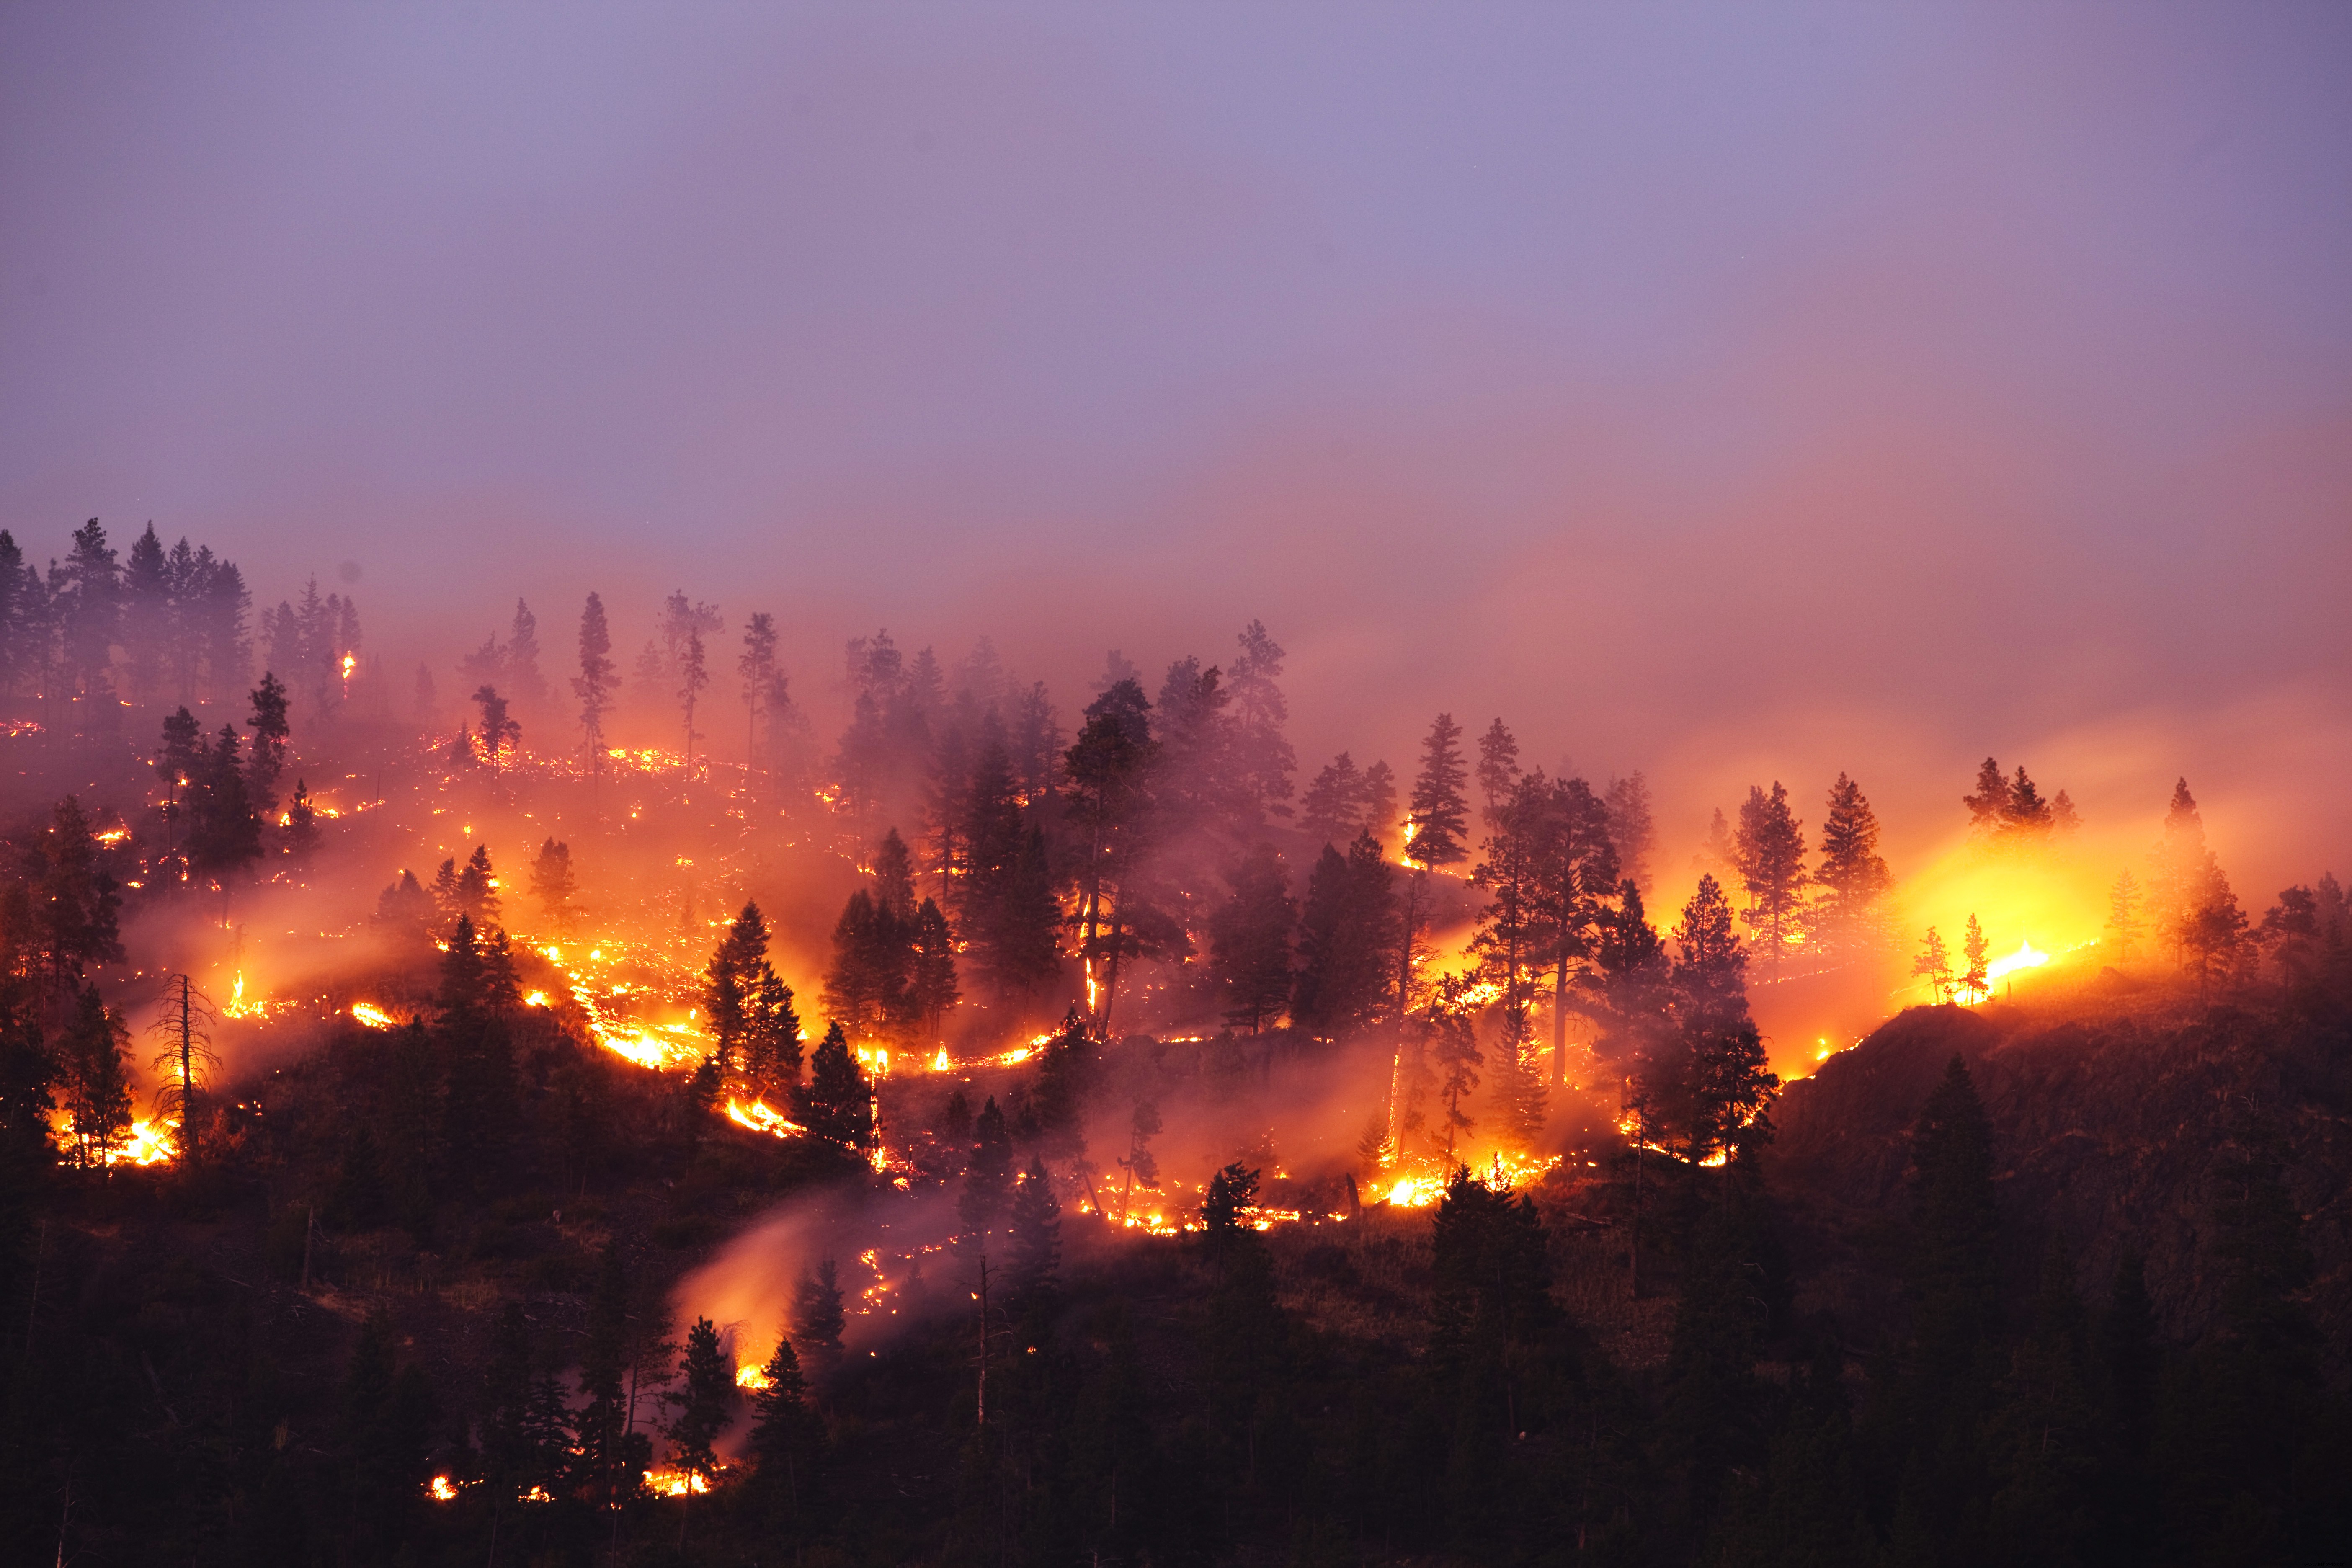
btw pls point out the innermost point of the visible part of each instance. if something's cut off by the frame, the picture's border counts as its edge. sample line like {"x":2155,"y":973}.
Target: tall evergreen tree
{"x":705,"y":1404}
{"x":837,"y":1103}
{"x":1262,"y":758}
{"x":1250,"y":936}
{"x":931,"y":986}
{"x":1853,"y":877}
{"x":1632,"y":826}
{"x":1498,"y":769}
{"x":1108,"y":767}
{"x":1329,"y":810}
{"x":1347,"y":935}
{"x":1988,"y":805}
{"x":266,"y":763}
{"x":1769,"y":850}
{"x":597,"y":682}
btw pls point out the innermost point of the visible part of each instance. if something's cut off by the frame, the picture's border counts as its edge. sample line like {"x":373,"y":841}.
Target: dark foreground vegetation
{"x":2062,"y":1287}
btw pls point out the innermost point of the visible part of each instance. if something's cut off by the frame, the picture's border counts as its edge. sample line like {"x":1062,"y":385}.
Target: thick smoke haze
{"x":1732,"y":395}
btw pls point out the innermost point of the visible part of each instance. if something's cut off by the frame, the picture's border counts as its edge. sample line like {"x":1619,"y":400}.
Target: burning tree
{"x":186,"y":1063}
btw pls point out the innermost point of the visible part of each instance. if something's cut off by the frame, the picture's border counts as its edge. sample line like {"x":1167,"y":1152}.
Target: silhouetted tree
{"x":1249,"y":943}
{"x":1262,"y":760}
{"x":1632,"y":828}
{"x":836,"y":1103}
{"x":597,"y":682}
{"x":1853,"y":877}
{"x":1769,"y":850}
{"x":1934,"y":964}
{"x":266,"y":763}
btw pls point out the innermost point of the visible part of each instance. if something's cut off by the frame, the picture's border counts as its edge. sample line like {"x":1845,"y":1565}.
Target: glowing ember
{"x":443,"y":1490}
{"x":535,"y":999}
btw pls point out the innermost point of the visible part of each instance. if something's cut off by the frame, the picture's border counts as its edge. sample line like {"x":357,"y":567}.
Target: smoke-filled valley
{"x":604,"y":1095}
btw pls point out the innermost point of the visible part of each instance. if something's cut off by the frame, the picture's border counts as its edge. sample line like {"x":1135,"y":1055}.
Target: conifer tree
{"x":837,"y":1103}
{"x":1329,"y":810}
{"x":554,"y":886}
{"x":2026,"y":816}
{"x":1140,"y":1165}
{"x":931,"y":986}
{"x":1434,"y":826}
{"x":1934,"y":964}
{"x":1853,"y":877}
{"x":1347,"y":931}
{"x":817,"y":1315}
{"x":1378,"y":798}
{"x":758,"y":667}
{"x":2125,"y":927}
{"x":267,"y":760}
{"x":1262,"y":758}
{"x":988,"y":1177}
{"x":186,"y":1064}
{"x":1632,"y":828}
{"x":1498,"y":768}
{"x":610,"y":1455}
{"x":1769,"y":850}
{"x":1975,"y":951}
{"x":598,"y":679}
{"x":524,"y":680}
{"x":1036,"y":1238}
{"x":500,"y":734}
{"x":1577,"y":872}
{"x":76,"y":897}
{"x":693,"y":680}
{"x":1454,"y":1048}
{"x":1107,"y":766}
{"x":784,"y":1429}
{"x":224,"y":831}
{"x":96,"y":1086}
{"x":705,"y":1405}
{"x":1710,"y":971}
{"x":1249,"y":940}
{"x":1989,"y":806}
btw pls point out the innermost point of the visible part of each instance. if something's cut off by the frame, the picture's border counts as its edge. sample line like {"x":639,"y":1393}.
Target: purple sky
{"x":1727,"y":391}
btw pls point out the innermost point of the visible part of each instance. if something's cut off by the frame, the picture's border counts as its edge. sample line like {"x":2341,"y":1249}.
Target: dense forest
{"x":998,"y":1135}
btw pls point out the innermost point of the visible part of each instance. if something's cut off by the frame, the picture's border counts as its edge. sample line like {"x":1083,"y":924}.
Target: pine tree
{"x":931,"y":986}
{"x":554,"y":886}
{"x":1347,"y":933}
{"x":1140,"y":1165}
{"x":1974,"y":981}
{"x":1989,"y":806}
{"x":523,"y":676}
{"x":96,"y":1086}
{"x":597,"y":682}
{"x":1934,"y":965}
{"x":817,"y":1315}
{"x":705,"y":1405}
{"x":1377,"y":797}
{"x":1632,"y":826}
{"x":837,"y":1103}
{"x":186,"y":1065}
{"x":1853,"y":877}
{"x":225,"y":830}
{"x":1250,"y":939}
{"x":1109,"y":767}
{"x":1262,"y":758}
{"x":500,"y":734}
{"x":302,"y":825}
{"x":2027,"y":817}
{"x":1330,"y":808}
{"x":1710,"y":973}
{"x":693,"y":680}
{"x":988,"y":1176}
{"x":1577,"y":872}
{"x":610,"y":1455}
{"x":76,"y":897}
{"x":1454,"y":1048}
{"x":1769,"y":851}
{"x":1036,"y":1238}
{"x":1498,"y":768}
{"x":2125,"y":927}
{"x":758,"y":667}
{"x":266,"y":762}
{"x":784,"y":1431}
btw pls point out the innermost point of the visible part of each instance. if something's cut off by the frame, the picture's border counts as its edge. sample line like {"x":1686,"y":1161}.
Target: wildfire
{"x":751,"y":1379}
{"x":151,"y":1144}
{"x":373,"y":1016}
{"x":443,"y":1490}
{"x":759,"y":1118}
{"x":670,"y":1481}
{"x":2027,"y":956}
